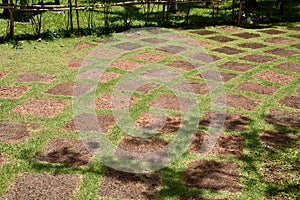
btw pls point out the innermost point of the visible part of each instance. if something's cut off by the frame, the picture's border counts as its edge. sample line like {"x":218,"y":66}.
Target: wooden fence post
{"x":11,"y":15}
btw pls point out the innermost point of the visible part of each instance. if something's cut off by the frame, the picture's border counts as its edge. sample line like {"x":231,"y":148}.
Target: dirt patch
{"x":41,"y":107}
{"x":291,"y":101}
{"x":246,"y":35}
{"x":43,"y":186}
{"x":172,"y":49}
{"x":296,"y":36}
{"x":275,"y":140}
{"x":12,"y":91}
{"x":75,"y":63}
{"x":272,"y":31}
{"x":149,"y":57}
{"x":236,"y":66}
{"x":283,"y":118}
{"x":203,"y":32}
{"x":234,"y":122}
{"x":193,"y":87}
{"x":257,"y":58}
{"x":137,"y":146}
{"x":86,"y":122}
{"x":146,"y":88}
{"x":241,"y":102}
{"x":289,"y":66}
{"x":65,"y":151}
{"x":221,"y":39}
{"x":278,"y":40}
{"x":128,"y":46}
{"x":102,"y":53}
{"x":117,"y":184}
{"x":252,"y":45}
{"x":228,"y":29}
{"x":126,"y":65}
{"x":297,"y":46}
{"x":212,"y":175}
{"x":154,"y":40}
{"x":106,"y":101}
{"x":228,"y":50}
{"x":204,"y":57}
{"x":109,"y":76}
{"x":228,"y":145}
{"x":15,"y":132}
{"x":273,"y":77}
{"x":83,"y":45}
{"x":294,"y":28}
{"x":186,"y":197}
{"x":197,"y":43}
{"x":69,"y":89}
{"x":159,"y":122}
{"x":2,"y":74}
{"x":281,"y":52}
{"x":170,"y":101}
{"x":180,"y":64}
{"x":35,"y":77}
{"x":250,"y":86}
{"x":217,"y":76}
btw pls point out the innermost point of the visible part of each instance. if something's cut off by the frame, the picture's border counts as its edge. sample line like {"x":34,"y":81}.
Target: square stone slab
{"x":102,"y":53}
{"x":83,"y":45}
{"x":69,"y":89}
{"x":289,"y":66}
{"x":249,"y":86}
{"x":283,"y":118}
{"x":43,"y":186}
{"x":278,"y":40}
{"x":128,"y":46}
{"x":252,"y":45}
{"x":221,"y":39}
{"x":273,"y":77}
{"x":109,"y":76}
{"x":294,"y":28}
{"x":65,"y":151}
{"x":228,"y":50}
{"x":212,"y":175}
{"x":296,"y":36}
{"x":35,"y":77}
{"x":123,"y":185}
{"x":246,"y":35}
{"x":236,"y":66}
{"x":172,"y":102}
{"x":149,"y":57}
{"x":228,"y":145}
{"x":7,"y":91}
{"x":115,"y":101}
{"x":90,"y":122}
{"x":197,"y":43}
{"x":182,"y":65}
{"x":291,"y":101}
{"x":15,"y":132}
{"x":164,"y":74}
{"x":281,"y":52}
{"x":297,"y":46}
{"x":159,"y":123}
{"x":257,"y":58}
{"x":41,"y":107}
{"x":2,"y":74}
{"x":234,"y":122}
{"x":188,"y":197}
{"x":241,"y":102}
{"x":126,"y":65}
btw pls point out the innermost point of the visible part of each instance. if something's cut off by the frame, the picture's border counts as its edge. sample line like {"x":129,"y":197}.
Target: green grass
{"x":49,"y":57}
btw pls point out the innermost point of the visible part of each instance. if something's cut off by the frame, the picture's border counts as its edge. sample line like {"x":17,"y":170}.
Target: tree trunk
{"x":250,"y":6}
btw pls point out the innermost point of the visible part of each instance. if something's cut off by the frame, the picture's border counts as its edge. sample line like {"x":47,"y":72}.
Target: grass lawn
{"x":256,"y":156}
